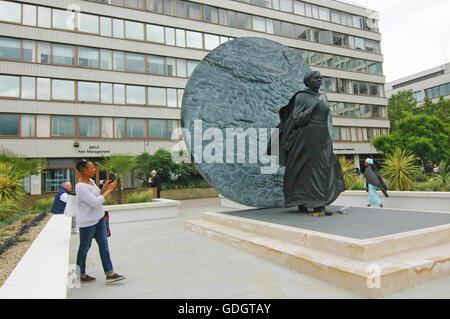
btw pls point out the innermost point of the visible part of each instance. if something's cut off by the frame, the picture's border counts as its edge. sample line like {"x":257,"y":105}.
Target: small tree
{"x":400,"y":169}
{"x":120,"y":165}
{"x":400,"y":106}
{"x":444,"y":174}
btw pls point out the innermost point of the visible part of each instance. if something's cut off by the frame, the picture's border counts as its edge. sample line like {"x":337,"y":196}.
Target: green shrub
{"x":358,"y":184}
{"x":422,"y":177}
{"x":43,"y":205}
{"x":141,"y":197}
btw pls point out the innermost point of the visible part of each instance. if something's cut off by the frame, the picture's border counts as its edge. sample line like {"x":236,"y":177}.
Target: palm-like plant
{"x":400,"y":169}
{"x":444,"y":174}
{"x":347,"y":167}
{"x":120,"y":165}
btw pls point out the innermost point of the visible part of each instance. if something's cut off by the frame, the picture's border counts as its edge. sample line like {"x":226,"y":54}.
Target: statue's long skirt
{"x":313,"y":176}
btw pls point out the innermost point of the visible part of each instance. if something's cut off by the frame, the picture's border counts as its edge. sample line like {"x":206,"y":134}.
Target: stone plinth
{"x":371,"y":252}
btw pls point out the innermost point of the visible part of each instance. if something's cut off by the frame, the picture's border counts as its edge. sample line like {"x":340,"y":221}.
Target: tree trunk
{"x":119,"y":191}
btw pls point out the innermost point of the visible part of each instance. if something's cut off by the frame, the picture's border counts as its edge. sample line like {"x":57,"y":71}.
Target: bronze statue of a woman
{"x":313,"y":177}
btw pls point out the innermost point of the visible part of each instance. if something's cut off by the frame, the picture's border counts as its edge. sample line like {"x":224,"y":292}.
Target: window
{"x":335,"y":134}
{"x":155,"y":5}
{"x":359,"y":43}
{"x":181,"y":67}
{"x":63,"y":126}
{"x":301,"y":32}
{"x":43,"y":52}
{"x":172,"y":97}
{"x":174,"y":130}
{"x":358,"y":22}
{"x":211,"y":14}
{"x":9,"y":124}
{"x":88,"y":23}
{"x":169,"y":7}
{"x":106,"y":59}
{"x":324,"y":14}
{"x":373,"y":87}
{"x":376,"y":111}
{"x":88,"y":91}
{"x":63,"y":19}
{"x":330,"y":84}
{"x":43,"y":125}
{"x":28,"y":51}
{"x":29,"y":15}
{"x":194,"y":39}
{"x":135,"y":62}
{"x":286,"y":5}
{"x":366,"y":111}
{"x":107,"y":127}
{"x":43,"y":89}
{"x":119,"y":61}
{"x":299,"y":7}
{"x":88,"y":126}
{"x":27,"y":125}
{"x":335,"y":16}
{"x":363,"y":88}
{"x":63,"y":90}
{"x":135,"y":94}
{"x":119,"y":128}
{"x":155,"y":33}
{"x":193,"y":10}
{"x":119,"y":94}
{"x":106,"y":93}
{"x":10,"y":11}
{"x":211,"y":41}
{"x":53,"y":178}
{"x":155,"y":64}
{"x":180,"y":97}
{"x":63,"y":54}
{"x":136,"y":128}
{"x":340,"y":39}
{"x":44,"y":17}
{"x":28,"y":87}
{"x":170,"y":66}
{"x":325,"y":37}
{"x":9,"y":48}
{"x":157,"y":96}
{"x":117,"y":28}
{"x":170,"y":36}
{"x":180,"y":36}
{"x":88,"y":57}
{"x":9,"y":86}
{"x":105,"y":26}
{"x":345,"y":134}
{"x":138,"y":4}
{"x":157,"y":128}
{"x":134,"y":30}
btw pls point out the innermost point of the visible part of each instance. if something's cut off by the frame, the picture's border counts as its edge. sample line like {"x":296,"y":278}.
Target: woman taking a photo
{"x":91,"y":221}
{"x":374,"y":180}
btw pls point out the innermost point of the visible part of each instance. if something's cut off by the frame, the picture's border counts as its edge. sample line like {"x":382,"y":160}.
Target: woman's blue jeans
{"x":97,"y":231}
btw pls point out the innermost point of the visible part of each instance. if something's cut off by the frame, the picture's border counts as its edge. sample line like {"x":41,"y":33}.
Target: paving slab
{"x":162,"y":260}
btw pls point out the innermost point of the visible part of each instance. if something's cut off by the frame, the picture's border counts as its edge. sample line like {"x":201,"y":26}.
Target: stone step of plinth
{"x":370,"y":279}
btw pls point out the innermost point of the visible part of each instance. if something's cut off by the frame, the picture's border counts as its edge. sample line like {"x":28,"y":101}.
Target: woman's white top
{"x":90,"y":201}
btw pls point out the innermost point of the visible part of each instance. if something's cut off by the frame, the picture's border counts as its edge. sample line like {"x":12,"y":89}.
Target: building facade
{"x":85,"y":78}
{"x":432,"y":83}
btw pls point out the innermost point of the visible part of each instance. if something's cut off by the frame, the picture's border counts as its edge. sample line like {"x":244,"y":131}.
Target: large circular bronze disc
{"x":240,"y":87}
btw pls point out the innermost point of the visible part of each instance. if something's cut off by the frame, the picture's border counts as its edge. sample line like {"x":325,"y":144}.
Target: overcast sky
{"x":415,"y":34}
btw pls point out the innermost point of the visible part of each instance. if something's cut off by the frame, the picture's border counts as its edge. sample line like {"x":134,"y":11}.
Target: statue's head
{"x":313,"y":80}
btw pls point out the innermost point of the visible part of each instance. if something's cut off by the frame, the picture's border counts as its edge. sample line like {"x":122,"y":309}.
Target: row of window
{"x":358,"y":110}
{"x":119,"y":28}
{"x":187,"y":9}
{"x":45,"y":126}
{"x":36,"y":88}
{"x":437,"y":91}
{"x":55,"y":53}
{"x":353,"y":87}
{"x":357,"y":134}
{"x":315,"y":12}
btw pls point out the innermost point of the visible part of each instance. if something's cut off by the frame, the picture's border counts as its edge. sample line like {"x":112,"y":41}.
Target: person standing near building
{"x":374,"y":180}
{"x":59,"y":204}
{"x":91,"y":221}
{"x":155,"y":181}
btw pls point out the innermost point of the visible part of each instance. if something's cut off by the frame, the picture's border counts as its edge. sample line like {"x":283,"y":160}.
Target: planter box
{"x":189,"y":193}
{"x":159,"y":208}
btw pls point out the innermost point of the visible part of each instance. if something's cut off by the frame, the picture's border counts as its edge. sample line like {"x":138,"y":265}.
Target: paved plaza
{"x":162,"y":260}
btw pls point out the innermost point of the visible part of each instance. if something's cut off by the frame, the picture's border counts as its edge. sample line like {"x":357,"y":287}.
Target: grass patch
{"x":141,"y":197}
{"x":42,"y":205}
